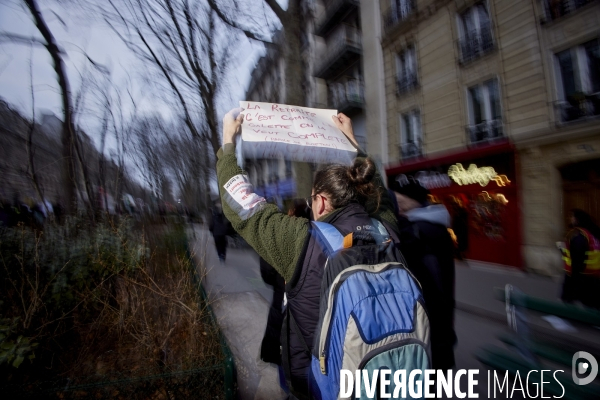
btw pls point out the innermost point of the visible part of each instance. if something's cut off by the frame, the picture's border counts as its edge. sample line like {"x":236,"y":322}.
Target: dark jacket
{"x":430,"y":256}
{"x":219,"y":225}
{"x":303,"y":293}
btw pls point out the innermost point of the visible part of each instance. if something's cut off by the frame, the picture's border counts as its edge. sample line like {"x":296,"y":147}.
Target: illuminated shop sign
{"x":427,"y":179}
{"x":475,"y":174}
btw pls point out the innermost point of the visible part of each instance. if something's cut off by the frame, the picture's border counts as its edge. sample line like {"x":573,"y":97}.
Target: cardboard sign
{"x":294,"y":133}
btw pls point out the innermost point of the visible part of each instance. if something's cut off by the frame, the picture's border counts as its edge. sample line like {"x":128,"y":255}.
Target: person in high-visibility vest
{"x":582,"y":261}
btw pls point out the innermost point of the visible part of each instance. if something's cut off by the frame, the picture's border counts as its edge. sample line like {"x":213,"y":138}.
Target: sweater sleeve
{"x":276,"y":237}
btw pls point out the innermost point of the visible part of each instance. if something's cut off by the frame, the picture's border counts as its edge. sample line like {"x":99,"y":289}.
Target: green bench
{"x":567,"y":311}
{"x":541,"y":352}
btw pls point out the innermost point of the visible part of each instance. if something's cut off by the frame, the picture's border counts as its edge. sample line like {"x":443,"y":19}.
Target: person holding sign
{"x":346,"y":197}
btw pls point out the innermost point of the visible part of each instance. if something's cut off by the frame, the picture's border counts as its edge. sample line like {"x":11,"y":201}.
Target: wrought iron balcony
{"x":335,"y":11}
{"x":559,"y":8}
{"x":347,"y":97}
{"x":485,"y":131}
{"x":411,"y":149}
{"x":344,"y":46}
{"x":394,"y":16}
{"x":407,"y":83}
{"x":476,"y":44}
{"x":580,"y":107}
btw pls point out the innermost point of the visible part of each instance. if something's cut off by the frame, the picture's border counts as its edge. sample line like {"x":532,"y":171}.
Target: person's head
{"x":336,"y":186}
{"x":581,"y":219}
{"x":409,"y":194}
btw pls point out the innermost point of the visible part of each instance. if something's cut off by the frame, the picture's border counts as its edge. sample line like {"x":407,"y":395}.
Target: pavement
{"x":240,"y":301}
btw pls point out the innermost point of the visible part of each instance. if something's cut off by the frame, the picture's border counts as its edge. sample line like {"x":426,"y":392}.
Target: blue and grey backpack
{"x":372,"y":314}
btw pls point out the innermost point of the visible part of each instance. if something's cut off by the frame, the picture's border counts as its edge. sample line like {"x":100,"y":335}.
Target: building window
{"x":410,"y":134}
{"x":578,"y":82}
{"x":402,"y":8}
{"x":406,"y":70}
{"x":485,"y":118}
{"x":399,"y":11}
{"x":475,"y":33}
{"x":559,"y":8}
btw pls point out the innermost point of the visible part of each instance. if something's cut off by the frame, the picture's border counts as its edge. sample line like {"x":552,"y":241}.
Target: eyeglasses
{"x":309,"y":200}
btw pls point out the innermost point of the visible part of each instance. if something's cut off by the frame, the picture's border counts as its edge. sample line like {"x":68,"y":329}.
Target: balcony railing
{"x":485,"y":131}
{"x":345,"y":96}
{"x":578,"y":108}
{"x":476,"y":44}
{"x":411,"y":149}
{"x":559,"y":8}
{"x":343,"y":45}
{"x":405,"y":84}
{"x":396,"y":15}
{"x":334,"y":11}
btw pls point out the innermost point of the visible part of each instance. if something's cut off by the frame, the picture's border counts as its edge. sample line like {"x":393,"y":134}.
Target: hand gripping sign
{"x":293,"y":133}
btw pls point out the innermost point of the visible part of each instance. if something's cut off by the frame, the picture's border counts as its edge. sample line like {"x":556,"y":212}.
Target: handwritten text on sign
{"x":273,"y":130}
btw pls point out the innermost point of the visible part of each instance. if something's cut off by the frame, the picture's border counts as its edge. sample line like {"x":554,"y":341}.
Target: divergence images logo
{"x":580,"y":367}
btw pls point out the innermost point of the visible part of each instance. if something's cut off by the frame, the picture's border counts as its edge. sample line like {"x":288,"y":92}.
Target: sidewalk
{"x":240,"y":301}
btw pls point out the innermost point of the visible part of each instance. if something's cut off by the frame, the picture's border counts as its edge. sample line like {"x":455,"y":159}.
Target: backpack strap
{"x":327,"y":235}
{"x":331,"y":240}
{"x":384,"y":236}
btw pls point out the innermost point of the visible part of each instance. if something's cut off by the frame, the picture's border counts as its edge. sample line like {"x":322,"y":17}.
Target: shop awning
{"x":451,"y":157}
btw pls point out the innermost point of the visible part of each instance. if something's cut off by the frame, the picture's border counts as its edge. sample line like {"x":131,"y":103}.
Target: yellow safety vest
{"x":592,"y":259}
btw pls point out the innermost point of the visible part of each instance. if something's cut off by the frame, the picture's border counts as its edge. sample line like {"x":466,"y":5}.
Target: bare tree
{"x":68,"y":135}
{"x":293,"y":26}
{"x":149,"y":142}
{"x":30,"y":147}
{"x":181,"y":41}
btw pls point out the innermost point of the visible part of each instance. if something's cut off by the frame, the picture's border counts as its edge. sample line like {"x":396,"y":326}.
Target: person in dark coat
{"x":429,"y":252}
{"x":219,"y":227}
{"x":460,"y":226}
{"x":582,"y":276}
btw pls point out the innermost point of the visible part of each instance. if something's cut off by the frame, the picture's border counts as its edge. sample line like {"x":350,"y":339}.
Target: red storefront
{"x":480,"y":188}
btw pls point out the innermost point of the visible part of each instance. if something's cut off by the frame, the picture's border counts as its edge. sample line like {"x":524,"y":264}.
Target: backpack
{"x":372,"y":314}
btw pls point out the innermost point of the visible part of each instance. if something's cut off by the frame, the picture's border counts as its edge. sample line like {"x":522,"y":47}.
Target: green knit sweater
{"x":278,"y":238}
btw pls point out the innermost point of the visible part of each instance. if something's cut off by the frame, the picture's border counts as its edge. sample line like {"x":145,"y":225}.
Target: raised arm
{"x":276,"y":237}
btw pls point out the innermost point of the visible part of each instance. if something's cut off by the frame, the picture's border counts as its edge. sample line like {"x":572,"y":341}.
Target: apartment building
{"x":338,"y":56}
{"x":494,"y":106}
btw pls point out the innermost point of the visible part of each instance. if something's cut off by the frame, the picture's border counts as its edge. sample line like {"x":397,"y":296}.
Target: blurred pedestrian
{"x":429,"y":251}
{"x":219,"y":227}
{"x":460,"y":227}
{"x":582,"y":261}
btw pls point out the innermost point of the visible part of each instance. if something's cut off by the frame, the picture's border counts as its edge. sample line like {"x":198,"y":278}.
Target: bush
{"x":104,"y":300}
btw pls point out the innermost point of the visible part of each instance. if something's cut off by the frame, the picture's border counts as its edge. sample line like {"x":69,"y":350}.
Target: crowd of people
{"x":29,"y":212}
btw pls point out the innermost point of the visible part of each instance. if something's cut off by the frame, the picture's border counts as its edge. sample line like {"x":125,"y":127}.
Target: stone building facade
{"x":466,"y":75}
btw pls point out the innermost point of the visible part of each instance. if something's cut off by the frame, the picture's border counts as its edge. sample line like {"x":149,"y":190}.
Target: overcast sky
{"x":76,"y":36}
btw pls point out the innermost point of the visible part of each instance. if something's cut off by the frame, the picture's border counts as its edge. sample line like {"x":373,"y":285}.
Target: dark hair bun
{"x":362,"y":171}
